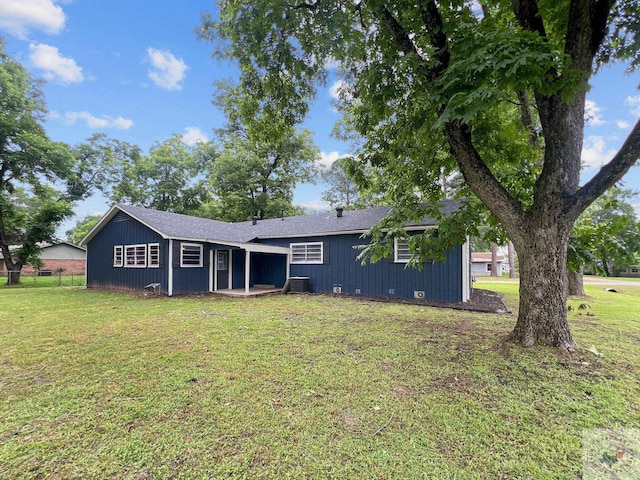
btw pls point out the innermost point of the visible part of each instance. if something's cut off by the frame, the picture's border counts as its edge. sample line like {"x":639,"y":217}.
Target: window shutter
{"x":325,"y":253}
{"x":206,"y":256}
{"x":160,"y":258}
{"x":176,"y":254}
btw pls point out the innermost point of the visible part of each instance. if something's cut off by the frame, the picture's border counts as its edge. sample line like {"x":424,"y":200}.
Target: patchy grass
{"x":112,"y":385}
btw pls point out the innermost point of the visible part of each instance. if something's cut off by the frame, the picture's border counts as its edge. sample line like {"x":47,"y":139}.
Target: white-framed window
{"x":118,"y":256}
{"x":401,"y":252}
{"x":190,"y":255}
{"x":311,"y":252}
{"x":488,"y":267}
{"x":135,"y":256}
{"x":154,"y":255}
{"x":223,"y":260}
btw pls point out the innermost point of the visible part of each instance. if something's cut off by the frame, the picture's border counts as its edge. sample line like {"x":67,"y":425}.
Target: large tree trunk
{"x":575,"y":282}
{"x":542,"y":316}
{"x":13,"y":277}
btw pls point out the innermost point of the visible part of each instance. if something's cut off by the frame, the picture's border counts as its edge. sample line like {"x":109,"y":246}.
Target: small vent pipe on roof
{"x":339,"y":211}
{"x":254,"y":219}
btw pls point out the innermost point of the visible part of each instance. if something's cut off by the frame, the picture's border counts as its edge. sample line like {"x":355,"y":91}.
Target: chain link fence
{"x":42,"y":278}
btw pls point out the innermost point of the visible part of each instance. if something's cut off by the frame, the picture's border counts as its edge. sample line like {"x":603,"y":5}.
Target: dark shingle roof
{"x":174,"y":225}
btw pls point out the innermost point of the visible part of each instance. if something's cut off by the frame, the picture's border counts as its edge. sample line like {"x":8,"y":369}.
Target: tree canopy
{"x":495,"y":90}
{"x":30,"y":164}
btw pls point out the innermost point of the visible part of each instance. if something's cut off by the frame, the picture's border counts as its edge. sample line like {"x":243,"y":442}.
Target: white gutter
{"x":170,"y":279}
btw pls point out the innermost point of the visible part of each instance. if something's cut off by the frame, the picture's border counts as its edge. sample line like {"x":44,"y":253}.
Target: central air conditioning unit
{"x":418,"y":294}
{"x":337,"y":289}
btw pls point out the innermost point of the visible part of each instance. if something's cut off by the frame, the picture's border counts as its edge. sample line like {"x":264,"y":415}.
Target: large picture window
{"x":307,"y":252}
{"x":118,"y":256}
{"x":190,"y":255}
{"x":401,"y":252}
{"x":135,"y":256}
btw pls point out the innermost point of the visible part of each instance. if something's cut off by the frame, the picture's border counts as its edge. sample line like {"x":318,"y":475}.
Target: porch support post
{"x":215,"y":271}
{"x":230,"y":267}
{"x":247,"y":271}
{"x":170,"y":274}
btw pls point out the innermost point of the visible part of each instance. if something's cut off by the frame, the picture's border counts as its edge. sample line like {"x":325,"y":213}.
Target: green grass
{"x":113,"y":385}
{"x":34,"y":281}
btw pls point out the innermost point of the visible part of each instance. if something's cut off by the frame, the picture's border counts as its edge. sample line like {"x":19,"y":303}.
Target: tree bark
{"x":13,"y":277}
{"x":542,"y":315}
{"x":575,"y":282}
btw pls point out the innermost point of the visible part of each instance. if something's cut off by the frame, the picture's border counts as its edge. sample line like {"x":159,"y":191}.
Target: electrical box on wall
{"x":337,"y":289}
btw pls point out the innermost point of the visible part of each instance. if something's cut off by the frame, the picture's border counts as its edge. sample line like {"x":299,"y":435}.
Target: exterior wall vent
{"x":418,"y":294}
{"x":153,"y":288}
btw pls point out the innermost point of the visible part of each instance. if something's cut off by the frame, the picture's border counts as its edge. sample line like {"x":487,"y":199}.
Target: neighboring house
{"x":628,"y":271}
{"x":481,"y":264}
{"x":61,"y":255}
{"x":132,"y":248}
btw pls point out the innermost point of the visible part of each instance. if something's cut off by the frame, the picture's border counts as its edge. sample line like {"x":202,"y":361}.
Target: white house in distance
{"x":481,"y":264}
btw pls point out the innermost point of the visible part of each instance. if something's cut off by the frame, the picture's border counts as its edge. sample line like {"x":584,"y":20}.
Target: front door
{"x":222,"y":269}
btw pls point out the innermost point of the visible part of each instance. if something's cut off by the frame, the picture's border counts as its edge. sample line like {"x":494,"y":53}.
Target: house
{"x":131,"y":248}
{"x":481,"y":264}
{"x":54,"y":256}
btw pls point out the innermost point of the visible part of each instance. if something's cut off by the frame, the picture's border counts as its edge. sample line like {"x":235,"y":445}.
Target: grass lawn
{"x":112,"y":385}
{"x":55,"y":280}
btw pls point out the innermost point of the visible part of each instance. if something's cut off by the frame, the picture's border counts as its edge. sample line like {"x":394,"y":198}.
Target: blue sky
{"x":135,"y":70}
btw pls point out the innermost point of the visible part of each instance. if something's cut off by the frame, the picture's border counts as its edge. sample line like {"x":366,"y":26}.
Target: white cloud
{"x":316,"y":205}
{"x":327,"y":159}
{"x":98,"y":122}
{"x":634,"y":103}
{"x":592,"y":113}
{"x":622,"y":124}
{"x":55,"y":66}
{"x":339,"y":90}
{"x":194,"y":135}
{"x":168,"y":71}
{"x":18,"y":17}
{"x":595,"y":152}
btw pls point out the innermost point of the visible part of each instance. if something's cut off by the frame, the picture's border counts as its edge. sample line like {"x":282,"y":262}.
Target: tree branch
{"x":608,"y":175}
{"x":528,"y":16}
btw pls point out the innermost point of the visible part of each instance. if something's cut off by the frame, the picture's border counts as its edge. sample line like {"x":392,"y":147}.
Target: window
{"x":401,"y":252}
{"x":222,"y":260}
{"x":307,"y":252}
{"x":135,"y":256}
{"x":154,"y":255}
{"x":117,"y":256}
{"x":488,"y":267}
{"x":190,"y":255}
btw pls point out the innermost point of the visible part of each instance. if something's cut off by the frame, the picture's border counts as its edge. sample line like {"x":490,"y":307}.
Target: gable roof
{"x":485,"y":257}
{"x":186,"y":227}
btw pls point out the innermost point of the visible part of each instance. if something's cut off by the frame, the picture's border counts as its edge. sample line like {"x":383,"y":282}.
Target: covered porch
{"x":248,"y":269}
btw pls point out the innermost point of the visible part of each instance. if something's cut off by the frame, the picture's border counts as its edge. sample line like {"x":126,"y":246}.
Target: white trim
{"x":417,"y":228}
{"x":396,"y":258}
{"x":121,"y":263}
{"x":247,"y":271}
{"x":200,"y":255}
{"x":230,"y":276}
{"x":307,"y":245}
{"x":212,"y":272}
{"x":149,"y":263}
{"x":170,"y":278}
{"x":466,"y":271}
{"x":135,"y":247}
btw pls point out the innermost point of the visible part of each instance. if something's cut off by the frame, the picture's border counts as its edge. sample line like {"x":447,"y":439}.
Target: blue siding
{"x":440,"y":281}
{"x":123,"y":230}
